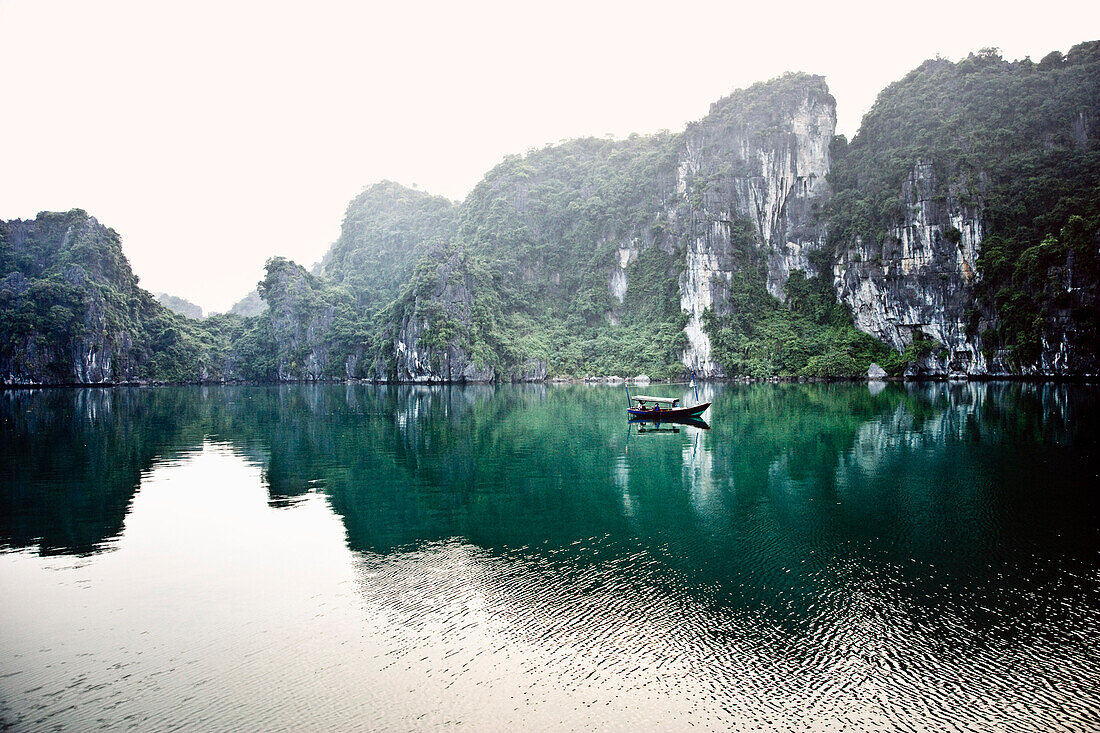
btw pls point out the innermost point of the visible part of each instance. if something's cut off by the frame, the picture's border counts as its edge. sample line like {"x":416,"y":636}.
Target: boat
{"x":651,"y":408}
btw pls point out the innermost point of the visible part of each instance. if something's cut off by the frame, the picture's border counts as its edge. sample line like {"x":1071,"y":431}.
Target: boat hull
{"x":677,"y":412}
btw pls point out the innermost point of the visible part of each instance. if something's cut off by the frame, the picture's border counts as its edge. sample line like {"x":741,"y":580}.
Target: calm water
{"x":391,"y":558}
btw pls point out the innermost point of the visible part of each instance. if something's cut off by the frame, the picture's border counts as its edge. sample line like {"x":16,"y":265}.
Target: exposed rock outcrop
{"x":301,"y":318}
{"x":761,"y":154}
{"x":876,"y":372}
{"x":430,"y":344}
{"x":962,"y":232}
{"x":919,"y":281}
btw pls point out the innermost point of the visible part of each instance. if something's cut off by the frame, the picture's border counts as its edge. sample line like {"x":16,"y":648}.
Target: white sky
{"x":212,"y":136}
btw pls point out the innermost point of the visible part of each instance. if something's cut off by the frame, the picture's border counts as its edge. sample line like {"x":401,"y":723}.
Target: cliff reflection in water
{"x":904,"y":467}
{"x":908,"y":556}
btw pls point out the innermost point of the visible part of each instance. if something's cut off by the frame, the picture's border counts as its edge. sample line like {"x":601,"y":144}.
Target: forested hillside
{"x":71,"y":311}
{"x":532,"y":258}
{"x":640,"y":255}
{"x":970,"y":199}
{"x":956,"y":234}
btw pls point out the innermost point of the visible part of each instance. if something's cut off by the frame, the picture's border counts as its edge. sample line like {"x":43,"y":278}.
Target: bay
{"x":824,"y":556}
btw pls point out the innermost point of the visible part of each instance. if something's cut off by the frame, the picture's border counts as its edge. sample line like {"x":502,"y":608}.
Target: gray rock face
{"x":875,"y":372}
{"x":427,"y":346}
{"x":300,"y":323}
{"x":532,"y":371}
{"x":920,"y":279}
{"x":738,"y":163}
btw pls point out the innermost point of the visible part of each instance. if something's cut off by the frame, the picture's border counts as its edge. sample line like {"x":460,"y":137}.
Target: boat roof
{"x":662,"y":400}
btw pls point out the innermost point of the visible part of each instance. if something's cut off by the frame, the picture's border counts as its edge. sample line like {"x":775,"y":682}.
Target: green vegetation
{"x":387,"y":229}
{"x":313,"y":323}
{"x":568,"y":260}
{"x":541,"y":235}
{"x":1019,"y":139}
{"x":766,"y":108}
{"x":812,"y":336}
{"x":71,"y":311}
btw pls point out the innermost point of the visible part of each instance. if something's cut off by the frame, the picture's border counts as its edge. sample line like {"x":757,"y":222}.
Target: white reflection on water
{"x":216,"y":611}
{"x":211,"y":601}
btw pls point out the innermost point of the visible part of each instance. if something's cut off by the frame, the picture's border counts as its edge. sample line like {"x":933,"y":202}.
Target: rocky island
{"x":956,"y":235}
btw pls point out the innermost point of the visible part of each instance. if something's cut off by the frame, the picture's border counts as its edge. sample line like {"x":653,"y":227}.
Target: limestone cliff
{"x":431,"y":344}
{"x":966,"y":216}
{"x":960,"y":228}
{"x":583,"y":244}
{"x":69,"y":304}
{"x":301,"y":316}
{"x":761,"y":154}
{"x":918,"y":281}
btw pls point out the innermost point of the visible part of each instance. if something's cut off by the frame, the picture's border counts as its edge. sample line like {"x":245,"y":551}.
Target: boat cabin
{"x":643,"y":399}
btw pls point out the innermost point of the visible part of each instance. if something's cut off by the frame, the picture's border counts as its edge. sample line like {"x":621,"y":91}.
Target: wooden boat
{"x":651,"y":408}
{"x":665,"y":423}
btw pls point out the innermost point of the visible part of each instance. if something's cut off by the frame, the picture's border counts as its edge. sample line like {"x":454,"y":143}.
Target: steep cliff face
{"x":607,"y":256}
{"x":961,"y":228}
{"x":301,"y":316}
{"x":761,"y":154}
{"x":387,"y":230}
{"x":899,"y":224}
{"x":434,"y":323}
{"x":918,"y":281}
{"x":966,"y":216}
{"x":70,"y":305}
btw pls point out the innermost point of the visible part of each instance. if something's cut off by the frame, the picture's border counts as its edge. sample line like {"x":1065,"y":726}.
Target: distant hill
{"x":179,"y":305}
{"x":250,"y":305}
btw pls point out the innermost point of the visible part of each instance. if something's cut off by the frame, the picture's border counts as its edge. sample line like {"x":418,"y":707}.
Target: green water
{"x":830,"y":556}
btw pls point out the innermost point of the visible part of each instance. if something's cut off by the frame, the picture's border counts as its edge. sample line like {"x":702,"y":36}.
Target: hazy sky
{"x":212,"y":136}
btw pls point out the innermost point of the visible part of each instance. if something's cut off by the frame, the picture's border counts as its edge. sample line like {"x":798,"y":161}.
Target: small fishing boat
{"x":650,"y":408}
{"x":658,"y":408}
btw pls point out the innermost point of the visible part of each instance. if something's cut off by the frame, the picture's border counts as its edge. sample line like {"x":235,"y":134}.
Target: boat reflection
{"x":668,"y":424}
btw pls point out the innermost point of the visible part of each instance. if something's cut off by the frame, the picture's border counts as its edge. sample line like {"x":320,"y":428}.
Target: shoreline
{"x":593,"y":381}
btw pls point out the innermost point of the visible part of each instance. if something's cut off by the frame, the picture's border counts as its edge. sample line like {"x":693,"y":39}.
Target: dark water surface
{"x":825,"y":557}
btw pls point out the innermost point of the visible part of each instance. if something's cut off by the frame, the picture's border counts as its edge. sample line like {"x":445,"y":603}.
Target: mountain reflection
{"x":893,"y":553}
{"x":782,"y":469}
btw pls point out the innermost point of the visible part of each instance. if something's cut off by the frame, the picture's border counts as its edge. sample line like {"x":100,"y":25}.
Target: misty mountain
{"x":955,"y":234}
{"x":179,"y":305}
